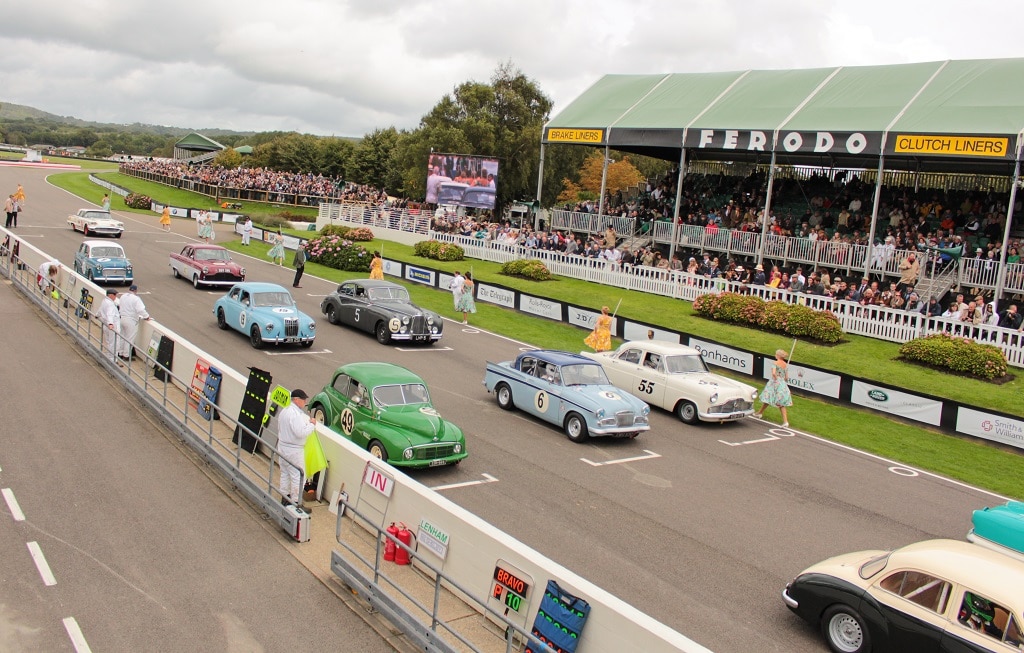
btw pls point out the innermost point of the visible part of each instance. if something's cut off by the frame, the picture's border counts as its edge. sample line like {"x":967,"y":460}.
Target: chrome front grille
{"x":291,"y":327}
{"x":732,"y":406}
{"x":625,"y":418}
{"x":434,"y":451}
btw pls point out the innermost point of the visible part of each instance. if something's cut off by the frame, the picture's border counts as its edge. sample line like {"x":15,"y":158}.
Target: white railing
{"x":974,"y":273}
{"x":883,"y":323}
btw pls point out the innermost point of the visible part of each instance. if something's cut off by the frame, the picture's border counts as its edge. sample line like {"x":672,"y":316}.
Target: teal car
{"x":386,"y":409}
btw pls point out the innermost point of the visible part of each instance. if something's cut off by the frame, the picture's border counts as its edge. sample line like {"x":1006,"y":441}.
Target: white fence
{"x":894,"y":325}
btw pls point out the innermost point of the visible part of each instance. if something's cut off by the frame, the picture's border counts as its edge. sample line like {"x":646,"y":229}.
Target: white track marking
{"x":12,"y":504}
{"x":40,"y":560}
{"x":487,"y":479}
{"x":650,"y":455}
{"x":77,"y":638}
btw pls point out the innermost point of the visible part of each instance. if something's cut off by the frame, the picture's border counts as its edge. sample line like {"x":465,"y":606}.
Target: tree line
{"x":502,"y":118}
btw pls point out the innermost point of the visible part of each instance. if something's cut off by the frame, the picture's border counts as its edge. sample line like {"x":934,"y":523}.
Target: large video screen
{"x":462,"y":180}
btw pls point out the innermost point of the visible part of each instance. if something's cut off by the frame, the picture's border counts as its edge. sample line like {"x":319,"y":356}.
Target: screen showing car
{"x":462,"y":180}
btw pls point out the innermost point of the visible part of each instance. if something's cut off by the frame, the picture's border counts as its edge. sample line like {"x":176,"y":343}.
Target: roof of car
{"x":975,"y":566}
{"x":374,"y":283}
{"x":102,"y":243}
{"x":377,"y":372}
{"x":557,"y":357}
{"x":662,"y":347}
{"x":259,"y":286}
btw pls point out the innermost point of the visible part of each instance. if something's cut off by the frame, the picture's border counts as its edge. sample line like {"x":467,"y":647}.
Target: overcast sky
{"x":345,"y":68}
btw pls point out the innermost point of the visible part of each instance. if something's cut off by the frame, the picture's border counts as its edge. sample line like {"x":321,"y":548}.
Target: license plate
{"x":438,"y":463}
{"x":291,"y":339}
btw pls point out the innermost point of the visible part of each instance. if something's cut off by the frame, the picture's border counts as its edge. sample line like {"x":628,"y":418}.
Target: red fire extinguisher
{"x":405,"y":537}
{"x":389,"y":544}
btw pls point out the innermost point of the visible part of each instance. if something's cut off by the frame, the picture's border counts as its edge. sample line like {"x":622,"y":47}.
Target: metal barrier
{"x":373,"y":583}
{"x":169,"y":396}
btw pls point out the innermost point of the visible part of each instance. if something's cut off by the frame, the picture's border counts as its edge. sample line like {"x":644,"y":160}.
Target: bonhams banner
{"x":897,"y":403}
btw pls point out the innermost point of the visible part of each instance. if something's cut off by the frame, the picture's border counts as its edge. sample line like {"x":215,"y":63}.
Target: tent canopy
{"x":965,"y":116}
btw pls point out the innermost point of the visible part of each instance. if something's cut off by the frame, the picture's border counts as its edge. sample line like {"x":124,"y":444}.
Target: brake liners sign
{"x":556,"y":135}
{"x":951,"y":145}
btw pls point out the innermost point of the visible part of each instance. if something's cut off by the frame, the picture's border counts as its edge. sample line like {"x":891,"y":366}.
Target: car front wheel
{"x":175,"y":273}
{"x":318,"y":414}
{"x":332,"y":314}
{"x":503,"y":394}
{"x":377,"y":450}
{"x":255,"y":338}
{"x":576,"y":428}
{"x":687,"y":412}
{"x":222,"y":321}
{"x":383,"y":335}
{"x":844,"y":630}
{"x":195,"y":281}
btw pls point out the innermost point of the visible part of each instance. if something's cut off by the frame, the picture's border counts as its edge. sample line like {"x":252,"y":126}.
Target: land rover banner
{"x":897,"y":403}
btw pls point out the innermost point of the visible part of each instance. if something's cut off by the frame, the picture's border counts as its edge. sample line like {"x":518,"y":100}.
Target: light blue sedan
{"x":569,"y":390}
{"x":266,"y":313}
{"x":103,"y":262}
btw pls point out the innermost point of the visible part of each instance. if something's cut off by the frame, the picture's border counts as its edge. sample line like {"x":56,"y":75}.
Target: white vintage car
{"x":674,"y":377}
{"x":96,"y":222}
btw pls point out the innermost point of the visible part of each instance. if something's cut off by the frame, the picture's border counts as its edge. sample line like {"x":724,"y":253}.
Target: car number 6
{"x":540,"y":400}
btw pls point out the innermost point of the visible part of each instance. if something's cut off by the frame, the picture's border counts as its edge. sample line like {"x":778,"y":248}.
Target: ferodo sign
{"x":753,"y":140}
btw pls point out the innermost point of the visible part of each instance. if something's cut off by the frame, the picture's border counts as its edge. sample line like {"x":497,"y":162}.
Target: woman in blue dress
{"x":276,"y":252}
{"x":466,"y":303}
{"x":776,"y":391}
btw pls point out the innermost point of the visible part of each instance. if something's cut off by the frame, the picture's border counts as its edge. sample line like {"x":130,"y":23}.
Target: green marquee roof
{"x":946,"y":115}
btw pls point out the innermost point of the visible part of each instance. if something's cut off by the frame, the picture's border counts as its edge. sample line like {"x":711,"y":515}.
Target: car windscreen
{"x":685,"y":364}
{"x":96,"y":215}
{"x":272,"y":299}
{"x":393,"y":294}
{"x":400,"y":395}
{"x":110,"y":251}
{"x":584,"y":375}
{"x":212,"y":255}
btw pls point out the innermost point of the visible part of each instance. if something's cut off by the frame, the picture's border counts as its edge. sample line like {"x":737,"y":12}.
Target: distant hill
{"x":17,"y":112}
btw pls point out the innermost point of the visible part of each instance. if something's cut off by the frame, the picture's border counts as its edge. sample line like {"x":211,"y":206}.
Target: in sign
{"x":378,"y":480}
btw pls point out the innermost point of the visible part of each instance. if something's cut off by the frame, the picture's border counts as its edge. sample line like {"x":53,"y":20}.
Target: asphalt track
{"x":700,"y":527}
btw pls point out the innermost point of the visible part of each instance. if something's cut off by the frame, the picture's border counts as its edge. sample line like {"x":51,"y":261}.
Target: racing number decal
{"x":348,"y":421}
{"x":646,"y":386}
{"x":356,"y":316}
{"x":241,"y":320}
{"x":541,"y":401}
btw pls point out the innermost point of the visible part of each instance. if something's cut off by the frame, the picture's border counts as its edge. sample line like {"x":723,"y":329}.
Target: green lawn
{"x":980,"y":464}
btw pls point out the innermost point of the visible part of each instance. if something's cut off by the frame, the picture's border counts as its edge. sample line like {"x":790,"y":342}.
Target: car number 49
{"x":646,"y":386}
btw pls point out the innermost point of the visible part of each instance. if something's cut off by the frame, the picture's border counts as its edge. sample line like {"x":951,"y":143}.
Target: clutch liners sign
{"x":951,"y":145}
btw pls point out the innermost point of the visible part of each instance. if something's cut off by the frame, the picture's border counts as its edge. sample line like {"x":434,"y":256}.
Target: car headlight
{"x":269,"y":327}
{"x":312,"y":326}
{"x":753,"y":395}
{"x":646,"y":410}
{"x":457,"y":448}
{"x":405,"y":320}
{"x":713,"y":398}
{"x":206,"y":270}
{"x":430,"y":320}
{"x":128,"y":267}
{"x":600,"y":413}
{"x":408,"y":453}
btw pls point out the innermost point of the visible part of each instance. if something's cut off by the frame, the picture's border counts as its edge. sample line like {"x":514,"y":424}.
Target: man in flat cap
{"x":293,"y":427}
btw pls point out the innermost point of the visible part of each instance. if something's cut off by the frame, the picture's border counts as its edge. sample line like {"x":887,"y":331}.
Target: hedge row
{"x":961,"y":355}
{"x":439,"y":251}
{"x":791,"y":319}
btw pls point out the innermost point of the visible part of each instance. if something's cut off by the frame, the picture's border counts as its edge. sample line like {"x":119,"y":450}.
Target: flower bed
{"x":355,"y":234}
{"x":780,"y":317}
{"x":339,"y":253}
{"x":138,"y":201}
{"x":962,"y":355}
